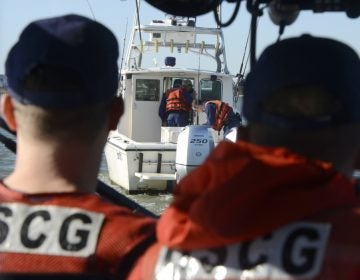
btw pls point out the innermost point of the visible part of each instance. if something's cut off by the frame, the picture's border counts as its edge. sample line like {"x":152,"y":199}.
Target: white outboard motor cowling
{"x":194,"y":144}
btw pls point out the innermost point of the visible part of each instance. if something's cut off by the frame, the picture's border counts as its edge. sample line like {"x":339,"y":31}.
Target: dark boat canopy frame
{"x":193,"y":8}
{"x":283,"y":12}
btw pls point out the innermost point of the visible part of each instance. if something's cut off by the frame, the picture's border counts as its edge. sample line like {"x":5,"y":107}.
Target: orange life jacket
{"x":325,"y":246}
{"x":291,"y":218}
{"x":73,"y":233}
{"x":175,"y":100}
{"x":222,"y":113}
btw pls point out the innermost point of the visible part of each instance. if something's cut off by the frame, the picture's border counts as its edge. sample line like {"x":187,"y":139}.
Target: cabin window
{"x":175,"y":82}
{"x":147,"y":90}
{"x":210,"y":90}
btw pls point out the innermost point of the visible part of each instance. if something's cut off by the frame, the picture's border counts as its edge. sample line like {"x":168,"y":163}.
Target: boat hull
{"x":140,"y":166}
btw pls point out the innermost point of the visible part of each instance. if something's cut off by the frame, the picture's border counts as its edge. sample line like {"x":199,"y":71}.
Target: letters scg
{"x":296,"y":250}
{"x":50,"y":230}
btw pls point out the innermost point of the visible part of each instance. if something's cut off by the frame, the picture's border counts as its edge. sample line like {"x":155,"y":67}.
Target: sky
{"x":118,"y":16}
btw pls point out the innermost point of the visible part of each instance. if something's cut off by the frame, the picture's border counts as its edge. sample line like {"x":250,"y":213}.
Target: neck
{"x":43,"y":167}
{"x":338,"y":145}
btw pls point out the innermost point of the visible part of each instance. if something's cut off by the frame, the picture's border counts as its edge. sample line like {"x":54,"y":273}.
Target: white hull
{"x":146,"y":166}
{"x":139,"y":166}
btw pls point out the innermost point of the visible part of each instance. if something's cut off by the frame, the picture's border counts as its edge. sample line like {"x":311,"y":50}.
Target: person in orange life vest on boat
{"x":175,"y":105}
{"x":63,"y":78}
{"x":281,"y":204}
{"x":219,"y":115}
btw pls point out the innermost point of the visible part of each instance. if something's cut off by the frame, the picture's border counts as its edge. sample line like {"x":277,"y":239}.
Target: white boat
{"x":141,"y":153}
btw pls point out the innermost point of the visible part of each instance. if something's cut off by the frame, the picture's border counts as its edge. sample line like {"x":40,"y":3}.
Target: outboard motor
{"x":194,"y":144}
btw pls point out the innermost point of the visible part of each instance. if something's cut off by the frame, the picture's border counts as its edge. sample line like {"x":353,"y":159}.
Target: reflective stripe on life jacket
{"x":175,"y":100}
{"x":222,"y":113}
{"x":296,"y":251}
{"x":69,"y":233}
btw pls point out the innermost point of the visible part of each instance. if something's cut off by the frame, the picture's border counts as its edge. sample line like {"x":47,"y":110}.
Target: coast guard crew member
{"x":63,"y":77}
{"x":282,"y":204}
{"x":219,"y":115}
{"x":175,"y":105}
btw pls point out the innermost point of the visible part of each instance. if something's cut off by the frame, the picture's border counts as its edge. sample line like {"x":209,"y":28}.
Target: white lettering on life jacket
{"x":48,"y":230}
{"x":295,"y":251}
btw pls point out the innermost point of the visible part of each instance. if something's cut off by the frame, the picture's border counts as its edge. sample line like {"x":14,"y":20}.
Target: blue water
{"x":7,"y":158}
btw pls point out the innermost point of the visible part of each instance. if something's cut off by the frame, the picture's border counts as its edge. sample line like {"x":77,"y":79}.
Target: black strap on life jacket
{"x":130,"y":259}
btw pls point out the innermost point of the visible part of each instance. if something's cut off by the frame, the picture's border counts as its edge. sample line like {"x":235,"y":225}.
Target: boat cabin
{"x":142,"y":94}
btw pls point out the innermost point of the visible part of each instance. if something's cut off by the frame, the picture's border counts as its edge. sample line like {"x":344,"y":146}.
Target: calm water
{"x":7,"y":158}
{"x":154,"y":203}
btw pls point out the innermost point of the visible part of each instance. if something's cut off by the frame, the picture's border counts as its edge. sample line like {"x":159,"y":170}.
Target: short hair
{"x":302,"y":102}
{"x":84,"y":121}
{"x":187,"y":83}
{"x":279,"y":70}
{"x":310,"y":103}
{"x":177,"y":83}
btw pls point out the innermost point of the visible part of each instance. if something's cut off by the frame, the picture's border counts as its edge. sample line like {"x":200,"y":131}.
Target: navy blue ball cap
{"x":73,"y":42}
{"x":305,"y":61}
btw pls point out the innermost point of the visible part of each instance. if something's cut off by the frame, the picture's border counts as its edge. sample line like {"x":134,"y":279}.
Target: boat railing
{"x":177,"y":37}
{"x":172,"y":29}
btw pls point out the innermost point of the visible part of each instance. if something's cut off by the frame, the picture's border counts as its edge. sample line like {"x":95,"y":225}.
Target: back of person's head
{"x":187,"y":83}
{"x":302,"y":90}
{"x":177,"y":83}
{"x":63,"y":75}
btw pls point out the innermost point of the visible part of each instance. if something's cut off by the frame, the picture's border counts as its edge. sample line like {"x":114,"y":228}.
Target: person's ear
{"x":7,"y":111}
{"x":116,"y":111}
